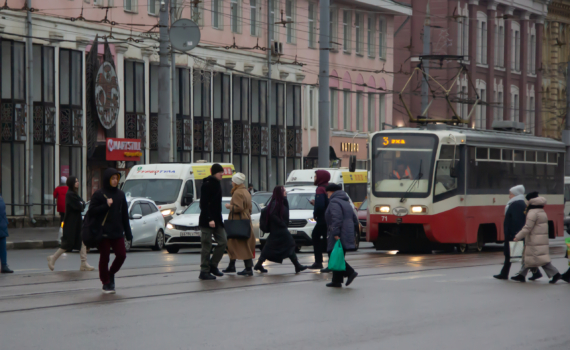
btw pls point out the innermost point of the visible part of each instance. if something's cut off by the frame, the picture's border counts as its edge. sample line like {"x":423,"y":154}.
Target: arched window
{"x":516,"y":47}
{"x":499,"y":42}
{"x":481,"y":38}
{"x":514,"y":103}
{"x":481,"y":112}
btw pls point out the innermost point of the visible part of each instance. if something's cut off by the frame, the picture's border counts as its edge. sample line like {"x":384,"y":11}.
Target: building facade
{"x":219,"y":108}
{"x":500,"y":43}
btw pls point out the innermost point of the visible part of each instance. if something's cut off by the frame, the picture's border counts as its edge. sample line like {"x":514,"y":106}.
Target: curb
{"x":32,"y":245}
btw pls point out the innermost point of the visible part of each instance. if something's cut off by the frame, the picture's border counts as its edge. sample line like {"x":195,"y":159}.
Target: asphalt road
{"x":432,"y":301}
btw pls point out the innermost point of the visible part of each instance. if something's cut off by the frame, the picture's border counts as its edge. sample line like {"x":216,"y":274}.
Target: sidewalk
{"x":32,"y":238}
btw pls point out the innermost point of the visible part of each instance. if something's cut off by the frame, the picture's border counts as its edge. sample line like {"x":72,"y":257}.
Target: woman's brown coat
{"x":535,"y":235}
{"x":241,"y":249}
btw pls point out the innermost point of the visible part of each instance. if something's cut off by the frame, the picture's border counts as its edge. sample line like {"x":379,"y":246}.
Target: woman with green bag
{"x":341,"y":220}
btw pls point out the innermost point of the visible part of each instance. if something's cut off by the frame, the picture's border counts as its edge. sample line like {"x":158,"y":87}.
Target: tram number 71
{"x":384,"y":218}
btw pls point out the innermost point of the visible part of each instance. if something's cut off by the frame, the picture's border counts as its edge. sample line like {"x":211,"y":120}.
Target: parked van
{"x":173,"y":186}
{"x":355,"y":184}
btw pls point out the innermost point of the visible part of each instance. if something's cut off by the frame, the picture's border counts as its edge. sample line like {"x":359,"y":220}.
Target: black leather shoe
{"x":555,"y":278}
{"x":326,"y":270}
{"x":300,"y":268}
{"x":535,"y":276}
{"x":215,"y":271}
{"x":501,"y":277}
{"x":6,"y":269}
{"x":566,"y":277}
{"x":334,"y":285}
{"x":519,"y":278}
{"x":246,"y":272}
{"x":351,"y":278}
{"x":229,"y":269}
{"x":260,"y":268}
{"x":206,"y":276}
{"x":316,"y":266}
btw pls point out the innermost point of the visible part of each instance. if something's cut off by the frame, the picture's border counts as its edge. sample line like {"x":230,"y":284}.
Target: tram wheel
{"x":462,"y":248}
{"x":480,"y":243}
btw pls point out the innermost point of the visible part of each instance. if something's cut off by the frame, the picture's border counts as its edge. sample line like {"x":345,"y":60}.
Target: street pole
{"x":426,"y":51}
{"x":174,"y":88}
{"x":324,"y":104}
{"x":566,"y":132}
{"x":30,"y":110}
{"x":164,"y":127}
{"x":269,"y":34}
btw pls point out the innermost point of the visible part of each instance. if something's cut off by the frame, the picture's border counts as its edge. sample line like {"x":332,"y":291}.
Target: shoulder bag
{"x":91,"y":232}
{"x":237,"y":229}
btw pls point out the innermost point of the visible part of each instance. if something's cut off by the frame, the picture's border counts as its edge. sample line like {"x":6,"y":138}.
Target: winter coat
{"x":72,"y":222}
{"x":280,"y":244}
{"x":514,"y":222}
{"x":242,"y":249}
{"x":117,"y":224}
{"x":59,"y":194}
{"x":3,"y":219}
{"x":211,"y":202}
{"x":341,"y":221}
{"x":321,"y":200}
{"x":535,"y":234}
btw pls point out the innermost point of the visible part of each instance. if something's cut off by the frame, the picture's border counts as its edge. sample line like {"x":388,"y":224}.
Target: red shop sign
{"x":123,"y":149}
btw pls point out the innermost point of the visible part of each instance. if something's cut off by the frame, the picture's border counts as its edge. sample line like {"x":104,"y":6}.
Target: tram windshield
{"x":402,"y":164}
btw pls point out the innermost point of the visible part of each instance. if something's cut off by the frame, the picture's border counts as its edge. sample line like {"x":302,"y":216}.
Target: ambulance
{"x":173,"y":186}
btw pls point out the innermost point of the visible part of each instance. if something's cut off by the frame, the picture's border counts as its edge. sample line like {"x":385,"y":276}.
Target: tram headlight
{"x":418,"y":209}
{"x":382,"y":209}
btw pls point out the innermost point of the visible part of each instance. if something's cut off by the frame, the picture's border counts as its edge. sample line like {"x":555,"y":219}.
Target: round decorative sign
{"x":107,"y":98}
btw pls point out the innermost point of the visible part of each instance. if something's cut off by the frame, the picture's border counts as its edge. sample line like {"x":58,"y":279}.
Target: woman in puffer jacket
{"x":535,"y":234}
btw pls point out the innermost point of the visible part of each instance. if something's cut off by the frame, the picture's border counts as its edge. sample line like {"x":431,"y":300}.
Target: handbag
{"x":91,"y":233}
{"x":264,"y":220}
{"x":237,"y":229}
{"x":336,"y":261}
{"x":517,"y":249}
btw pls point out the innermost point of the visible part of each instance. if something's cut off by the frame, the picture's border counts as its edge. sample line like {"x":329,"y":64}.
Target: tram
{"x":442,"y":186}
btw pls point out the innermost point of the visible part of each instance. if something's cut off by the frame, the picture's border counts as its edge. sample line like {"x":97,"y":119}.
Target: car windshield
{"x":398,"y":160}
{"x":225,"y":183}
{"x":261,"y":198}
{"x":364,"y":205}
{"x":300,"y":201}
{"x":297,"y":184}
{"x":194,"y":208}
{"x":161,"y":191}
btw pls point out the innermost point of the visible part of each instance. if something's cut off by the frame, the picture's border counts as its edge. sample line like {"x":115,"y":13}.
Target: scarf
{"x":530,"y":207}
{"x":520,"y":197}
{"x":236,"y":187}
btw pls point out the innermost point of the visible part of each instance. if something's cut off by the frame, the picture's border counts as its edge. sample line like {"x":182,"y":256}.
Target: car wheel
{"x":128,"y":245}
{"x":172,"y":249}
{"x":159,"y":242}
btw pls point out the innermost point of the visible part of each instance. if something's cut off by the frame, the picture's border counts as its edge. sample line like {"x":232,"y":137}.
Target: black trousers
{"x":338,"y":276}
{"x":61,"y":217}
{"x":319,"y":242}
{"x":506,"y":266}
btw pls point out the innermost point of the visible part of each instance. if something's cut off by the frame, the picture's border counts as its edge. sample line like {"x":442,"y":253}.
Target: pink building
{"x":502,"y":45}
{"x":219,"y":108}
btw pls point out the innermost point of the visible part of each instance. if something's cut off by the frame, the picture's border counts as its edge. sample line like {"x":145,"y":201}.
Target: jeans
{"x":105,"y":246}
{"x":338,"y":276}
{"x":548,"y":268}
{"x":3,"y":252}
{"x":319,"y":238}
{"x":220,"y":236}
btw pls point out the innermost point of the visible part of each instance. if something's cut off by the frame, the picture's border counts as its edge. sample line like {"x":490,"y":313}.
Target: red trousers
{"x":105,"y":246}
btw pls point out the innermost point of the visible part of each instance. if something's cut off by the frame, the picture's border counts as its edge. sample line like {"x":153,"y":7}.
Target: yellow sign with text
{"x":203,"y":171}
{"x":354,"y":178}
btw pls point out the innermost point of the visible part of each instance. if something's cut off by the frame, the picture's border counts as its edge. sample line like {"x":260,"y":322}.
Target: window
{"x":481,"y":121}
{"x":136,"y":209}
{"x":499,"y":44}
{"x":346,"y":32}
{"x":346,"y":110}
{"x":382,"y":110}
{"x":235,"y":15}
{"x":358,"y":31}
{"x":532,"y":54}
{"x":463,"y":35}
{"x":290,"y":19}
{"x":197,"y":12}
{"x":333,"y":29}
{"x":481,"y":38}
{"x":312,"y":21}
{"x":516,"y":47}
{"x":146,"y":209}
{"x":274,"y":9}
{"x":514,"y":104}
{"x":382,"y":38}
{"x":130,"y":5}
{"x":334,"y":109}
{"x":311,"y":108}
{"x":359,"y":112}
{"x":217,"y":14}
{"x":371,"y":112}
{"x":370,"y":36}
{"x":253,"y":18}
{"x":153,"y":7}
{"x":135,"y":116}
{"x":530,"y":124}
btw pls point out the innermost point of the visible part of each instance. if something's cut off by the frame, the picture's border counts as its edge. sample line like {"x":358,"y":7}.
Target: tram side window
{"x":356,"y":192}
{"x":567,"y":193}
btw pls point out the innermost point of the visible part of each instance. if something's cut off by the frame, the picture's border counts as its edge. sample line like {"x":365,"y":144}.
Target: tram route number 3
{"x":389,"y":141}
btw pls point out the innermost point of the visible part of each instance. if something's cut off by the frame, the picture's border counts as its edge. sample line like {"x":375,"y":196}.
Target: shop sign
{"x":203,"y":171}
{"x":123,"y":150}
{"x":349,"y":147}
{"x":107,"y":98}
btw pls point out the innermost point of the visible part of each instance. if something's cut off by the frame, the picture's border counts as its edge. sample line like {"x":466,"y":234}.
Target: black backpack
{"x":264,"y":220}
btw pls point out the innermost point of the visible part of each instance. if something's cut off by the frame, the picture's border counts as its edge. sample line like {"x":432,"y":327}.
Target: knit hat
{"x":531,"y":196}
{"x":63,"y":180}
{"x":333,"y":188}
{"x":517,"y":190}
{"x":217,"y":168}
{"x":238,"y":179}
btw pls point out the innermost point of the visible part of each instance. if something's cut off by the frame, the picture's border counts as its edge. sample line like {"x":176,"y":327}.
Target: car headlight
{"x":167,"y":212}
{"x":169,"y":226}
{"x":418,"y":209}
{"x":382,"y":209}
{"x":311,"y":220}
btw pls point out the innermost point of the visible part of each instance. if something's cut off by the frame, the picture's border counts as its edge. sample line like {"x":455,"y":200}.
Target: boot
{"x":246,"y":272}
{"x":298,"y":266}
{"x":501,"y":277}
{"x":6,"y":269}
{"x":231,"y":267}
{"x":334,"y":285}
{"x":555,"y":278}
{"x":259,"y":266}
{"x":83,"y":256}
{"x":566,"y":276}
{"x":215,"y":271}
{"x":351,"y":278}
{"x":86,"y":267}
{"x":53,"y":258}
{"x":316,"y":266}
{"x":205,"y":276}
{"x":535,"y":275}
{"x":519,"y":278}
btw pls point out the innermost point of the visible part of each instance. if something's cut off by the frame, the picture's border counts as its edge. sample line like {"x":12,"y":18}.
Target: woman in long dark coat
{"x":72,"y":224}
{"x":280,"y":244}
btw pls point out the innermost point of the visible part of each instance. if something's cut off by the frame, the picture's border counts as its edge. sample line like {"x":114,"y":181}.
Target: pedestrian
{"x":109,"y":207}
{"x":535,"y":234}
{"x":72,"y":224}
{"x":250,"y":189}
{"x":341,"y":221}
{"x":320,"y":203}
{"x":240,"y":209}
{"x":513,"y":223}
{"x":211,"y":224}
{"x":59,"y":195}
{"x":3,"y":236}
{"x":280,"y":244}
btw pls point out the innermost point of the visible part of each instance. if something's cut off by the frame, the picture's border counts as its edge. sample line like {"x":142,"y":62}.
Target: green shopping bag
{"x":336,"y":261}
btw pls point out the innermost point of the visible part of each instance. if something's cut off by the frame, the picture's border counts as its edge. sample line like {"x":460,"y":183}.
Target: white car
{"x":184,"y":230}
{"x":147,"y":224}
{"x":301,"y":222}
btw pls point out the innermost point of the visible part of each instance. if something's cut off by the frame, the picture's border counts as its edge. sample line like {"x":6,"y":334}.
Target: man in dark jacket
{"x":321,"y":202}
{"x":211,"y":223}
{"x":109,"y":207}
